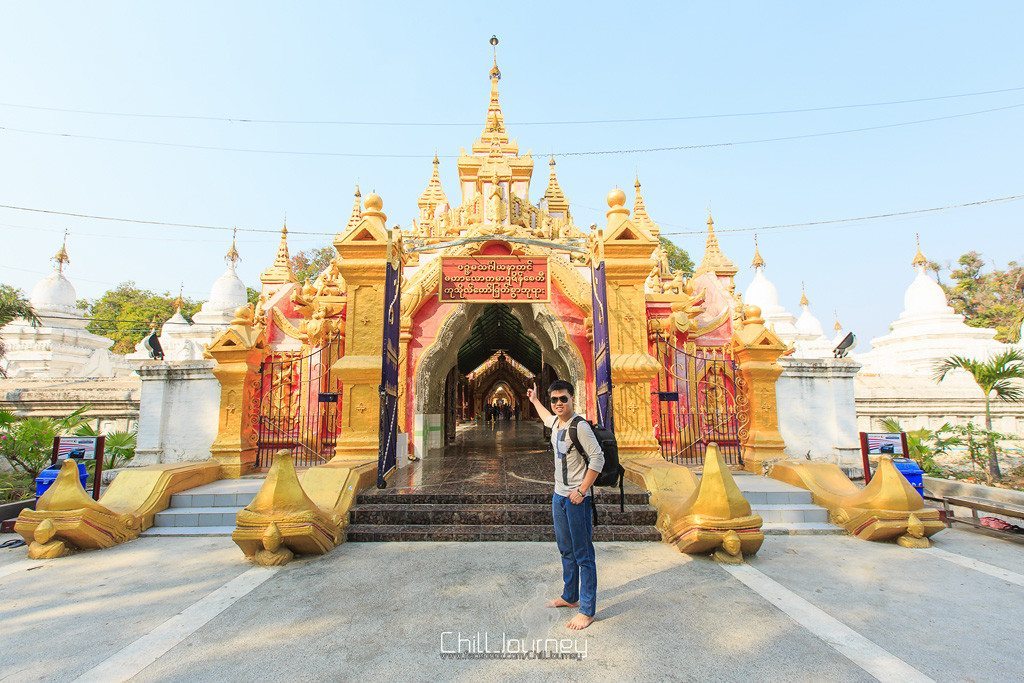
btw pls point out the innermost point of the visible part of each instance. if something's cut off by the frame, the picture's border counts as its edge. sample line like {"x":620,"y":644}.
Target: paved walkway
{"x":806,"y":609}
{"x":509,"y":457}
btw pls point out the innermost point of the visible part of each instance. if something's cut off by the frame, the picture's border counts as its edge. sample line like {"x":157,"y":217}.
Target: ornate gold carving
{"x":757,"y":350}
{"x":711,"y":516}
{"x":888,"y":508}
{"x":282,"y":521}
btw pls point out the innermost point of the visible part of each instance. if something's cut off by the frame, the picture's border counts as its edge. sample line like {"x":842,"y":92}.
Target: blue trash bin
{"x":913,"y":473}
{"x":49,"y":475}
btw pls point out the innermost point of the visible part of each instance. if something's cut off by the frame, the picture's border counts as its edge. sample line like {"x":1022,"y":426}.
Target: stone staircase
{"x":207,"y":510}
{"x":390,"y":515}
{"x":785,"y":509}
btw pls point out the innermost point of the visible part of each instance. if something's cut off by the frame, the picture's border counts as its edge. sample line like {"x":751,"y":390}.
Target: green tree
{"x":27,"y":443}
{"x":1000,"y":377}
{"x":309,"y":263}
{"x":124,"y":314}
{"x":990,"y":298}
{"x":678,"y":258}
{"x":118,"y":447}
{"x":14,"y":305}
{"x":924,"y":444}
{"x":252,"y":295}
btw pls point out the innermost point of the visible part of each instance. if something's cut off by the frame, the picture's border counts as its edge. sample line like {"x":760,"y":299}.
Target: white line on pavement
{"x":139,"y":654}
{"x":976,"y":565}
{"x":880,"y":663}
{"x":19,"y":566}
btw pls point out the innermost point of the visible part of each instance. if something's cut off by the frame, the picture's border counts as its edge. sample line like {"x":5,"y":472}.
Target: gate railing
{"x":299,"y":406}
{"x":699,"y":399}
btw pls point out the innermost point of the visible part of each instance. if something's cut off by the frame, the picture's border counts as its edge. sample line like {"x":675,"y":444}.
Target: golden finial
{"x":232,"y":257}
{"x":803,"y":295}
{"x":758,"y":261}
{"x":180,"y":301}
{"x":495,"y":72}
{"x":919,"y":258}
{"x":61,"y":258}
{"x":838,"y":326}
{"x":556,"y":200}
{"x":434,"y":194}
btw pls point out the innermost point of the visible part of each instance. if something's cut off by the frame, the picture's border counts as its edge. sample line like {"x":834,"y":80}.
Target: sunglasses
{"x":559,"y":399}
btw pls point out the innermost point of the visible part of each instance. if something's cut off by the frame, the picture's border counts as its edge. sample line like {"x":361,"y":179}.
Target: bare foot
{"x":559,"y":602}
{"x":580,"y":622}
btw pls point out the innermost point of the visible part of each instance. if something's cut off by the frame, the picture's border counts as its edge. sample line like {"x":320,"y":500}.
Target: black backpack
{"x":612,"y":473}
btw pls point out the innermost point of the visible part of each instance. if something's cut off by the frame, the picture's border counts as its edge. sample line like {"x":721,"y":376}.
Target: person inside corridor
{"x":571,"y":502}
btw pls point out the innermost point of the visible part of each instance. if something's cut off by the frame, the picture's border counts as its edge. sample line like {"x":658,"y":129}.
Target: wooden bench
{"x":976,"y":505}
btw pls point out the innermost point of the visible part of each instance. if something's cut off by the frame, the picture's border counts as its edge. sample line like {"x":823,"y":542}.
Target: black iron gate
{"x":699,"y":400}
{"x":299,"y":406}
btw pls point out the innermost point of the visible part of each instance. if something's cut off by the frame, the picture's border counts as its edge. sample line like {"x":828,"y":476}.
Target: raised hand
{"x":531,"y":393}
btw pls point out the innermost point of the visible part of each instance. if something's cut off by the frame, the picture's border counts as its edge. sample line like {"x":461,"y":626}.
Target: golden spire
{"x":556,"y":201}
{"x":232,"y":257}
{"x":640,"y":215}
{"x":803,"y":295}
{"x":714,"y":260}
{"x":919,"y":258}
{"x":61,"y":258}
{"x":357,"y":211}
{"x":758,"y":261}
{"x":281,"y":271}
{"x":494,"y":139}
{"x":838,"y":326}
{"x":434,"y":194}
{"x":180,"y":301}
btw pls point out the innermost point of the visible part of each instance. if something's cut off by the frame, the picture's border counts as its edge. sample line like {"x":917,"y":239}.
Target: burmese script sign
{"x":494,"y":278}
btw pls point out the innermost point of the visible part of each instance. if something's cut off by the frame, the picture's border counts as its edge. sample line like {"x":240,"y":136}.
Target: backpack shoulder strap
{"x":576,"y":439}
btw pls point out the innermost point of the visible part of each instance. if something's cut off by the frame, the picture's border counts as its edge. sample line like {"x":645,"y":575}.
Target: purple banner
{"x":602,"y":349}
{"x":388,"y":443}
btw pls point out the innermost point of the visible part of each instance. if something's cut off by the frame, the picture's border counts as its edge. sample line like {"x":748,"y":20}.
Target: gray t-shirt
{"x":563,"y":447}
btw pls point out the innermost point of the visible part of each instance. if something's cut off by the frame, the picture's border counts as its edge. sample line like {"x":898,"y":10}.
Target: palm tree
{"x":999,"y":376}
{"x":14,"y":305}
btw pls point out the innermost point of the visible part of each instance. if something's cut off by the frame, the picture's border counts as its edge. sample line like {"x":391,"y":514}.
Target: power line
{"x":834,"y":221}
{"x":647,"y":119}
{"x":364,"y":155}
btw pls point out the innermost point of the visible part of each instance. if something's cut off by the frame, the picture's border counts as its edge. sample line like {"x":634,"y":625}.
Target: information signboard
{"x":484,"y":279}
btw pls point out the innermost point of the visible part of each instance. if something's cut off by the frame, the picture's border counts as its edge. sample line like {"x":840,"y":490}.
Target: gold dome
{"x":616,"y":198}
{"x":373,"y":202}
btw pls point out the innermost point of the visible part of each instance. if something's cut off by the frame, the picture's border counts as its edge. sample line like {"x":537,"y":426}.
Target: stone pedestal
{"x":177,"y":411}
{"x":238,"y":351}
{"x":363,"y":252}
{"x":757,"y":350}
{"x":626,"y":248}
{"x":819,"y":415}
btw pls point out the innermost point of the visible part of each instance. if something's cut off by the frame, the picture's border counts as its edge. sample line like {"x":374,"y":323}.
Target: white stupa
{"x":927,"y":331}
{"x":810,"y":340}
{"x":762,"y":293}
{"x":182,"y":340}
{"x":60,"y":346}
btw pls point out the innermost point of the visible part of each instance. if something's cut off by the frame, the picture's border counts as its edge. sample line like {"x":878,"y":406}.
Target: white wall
{"x":178,"y":411}
{"x":817,"y":410}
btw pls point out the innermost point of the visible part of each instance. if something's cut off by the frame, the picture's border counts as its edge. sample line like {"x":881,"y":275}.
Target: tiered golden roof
{"x":433,"y":195}
{"x":714,"y":260}
{"x":556,"y":201}
{"x":280,"y":271}
{"x":357,"y":212}
{"x":640,"y":215}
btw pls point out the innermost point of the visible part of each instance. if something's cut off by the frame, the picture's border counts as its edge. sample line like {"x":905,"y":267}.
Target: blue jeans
{"x":574,"y":533}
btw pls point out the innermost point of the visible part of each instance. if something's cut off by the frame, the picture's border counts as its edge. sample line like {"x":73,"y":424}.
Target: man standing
{"x":571,"y":504}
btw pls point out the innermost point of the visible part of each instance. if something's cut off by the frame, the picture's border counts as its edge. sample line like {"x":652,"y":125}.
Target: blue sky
{"x":428,"y":63}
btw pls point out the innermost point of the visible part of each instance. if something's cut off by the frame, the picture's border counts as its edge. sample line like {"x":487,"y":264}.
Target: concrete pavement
{"x":395,"y":610}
